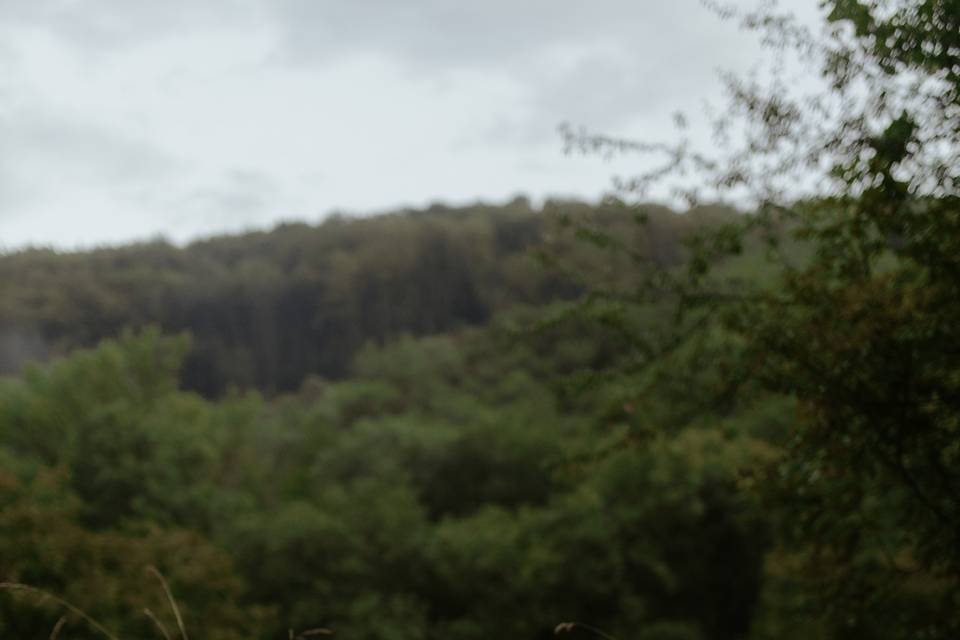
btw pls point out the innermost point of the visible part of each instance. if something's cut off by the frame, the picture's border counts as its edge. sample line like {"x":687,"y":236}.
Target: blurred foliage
{"x":707,"y":426}
{"x":451,"y":487}
{"x":854,"y":323}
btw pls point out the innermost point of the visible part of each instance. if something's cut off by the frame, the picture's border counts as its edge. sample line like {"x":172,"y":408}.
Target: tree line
{"x":267,"y":309}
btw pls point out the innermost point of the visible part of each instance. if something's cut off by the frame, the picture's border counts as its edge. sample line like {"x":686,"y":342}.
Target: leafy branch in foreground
{"x":565,"y":627}
{"x":859,"y":176}
{"x":44,"y":595}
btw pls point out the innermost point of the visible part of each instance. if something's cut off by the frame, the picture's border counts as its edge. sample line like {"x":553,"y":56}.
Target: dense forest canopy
{"x":449,"y":484}
{"x":268,"y":309}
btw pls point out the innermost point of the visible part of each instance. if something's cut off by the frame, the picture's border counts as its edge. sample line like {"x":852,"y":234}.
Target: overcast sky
{"x":127,"y":119}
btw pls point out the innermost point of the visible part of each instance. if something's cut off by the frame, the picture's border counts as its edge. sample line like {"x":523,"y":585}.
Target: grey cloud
{"x":443,"y":33}
{"x":98,"y":24}
{"x":437,"y":38}
{"x":606,"y":64}
{"x":633,"y":58}
{"x":14,"y":191}
{"x":44,"y":153}
{"x":603,"y":91}
{"x":239,"y":198}
{"x":606,"y":93}
{"x":439,"y":33}
{"x":77,"y":149}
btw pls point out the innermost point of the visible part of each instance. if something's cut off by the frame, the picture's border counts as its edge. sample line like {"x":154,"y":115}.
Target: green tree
{"x":861,"y":322}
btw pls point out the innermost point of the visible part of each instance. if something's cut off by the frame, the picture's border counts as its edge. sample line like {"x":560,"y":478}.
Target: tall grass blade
{"x":16,"y":586}
{"x":173,"y":603}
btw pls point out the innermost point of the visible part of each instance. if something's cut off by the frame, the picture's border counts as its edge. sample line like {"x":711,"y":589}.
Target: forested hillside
{"x":439,"y":468}
{"x":267,"y":309}
{"x":565,"y":447}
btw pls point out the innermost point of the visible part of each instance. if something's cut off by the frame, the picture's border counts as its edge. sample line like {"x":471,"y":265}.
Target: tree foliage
{"x":268,"y":309}
{"x":448,"y":489}
{"x":858,"y":325}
